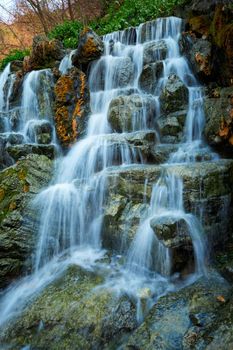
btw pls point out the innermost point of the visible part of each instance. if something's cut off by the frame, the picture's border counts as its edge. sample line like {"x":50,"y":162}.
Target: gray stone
{"x":171,"y":231}
{"x":174,"y":95}
{"x":169,"y":323}
{"x":128,"y":113}
{"x":154,"y":51}
{"x":149,"y":77}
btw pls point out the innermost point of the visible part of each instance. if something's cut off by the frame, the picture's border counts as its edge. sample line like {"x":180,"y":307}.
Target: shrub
{"x":126,"y":14}
{"x":67,"y":32}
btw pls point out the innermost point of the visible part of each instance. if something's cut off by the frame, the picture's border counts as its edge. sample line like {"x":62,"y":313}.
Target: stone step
{"x":208,"y":189}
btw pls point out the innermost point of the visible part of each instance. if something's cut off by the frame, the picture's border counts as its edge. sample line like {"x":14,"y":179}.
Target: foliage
{"x":12,"y":56}
{"x":67,"y":32}
{"x":120,"y":14}
{"x":128,"y":14}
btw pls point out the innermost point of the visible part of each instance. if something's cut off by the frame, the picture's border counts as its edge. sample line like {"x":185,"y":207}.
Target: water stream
{"x":71,"y":209}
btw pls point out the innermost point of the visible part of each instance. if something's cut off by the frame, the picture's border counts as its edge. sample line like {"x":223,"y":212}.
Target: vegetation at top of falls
{"x":67,"y":32}
{"x":13,"y":56}
{"x":120,"y":15}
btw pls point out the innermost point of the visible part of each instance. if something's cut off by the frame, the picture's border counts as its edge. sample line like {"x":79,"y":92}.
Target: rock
{"x":217,"y":333}
{"x":122,"y":69}
{"x":40,"y":132}
{"x":171,"y":126}
{"x":134,"y":184}
{"x":174,"y":95}
{"x":128,"y":113}
{"x":15,"y":139}
{"x":14,"y":90}
{"x":5,"y":159}
{"x":14,"y":118}
{"x":19,"y":151}
{"x":172,"y":232}
{"x":154,"y":51}
{"x":72,"y":106}
{"x":19,"y":184}
{"x":149,"y":77}
{"x":16,"y":66}
{"x":219,"y":117}
{"x":44,"y":54}
{"x":169,"y":323}
{"x":75,"y":315}
{"x":90,"y":48}
{"x":200,"y":57}
{"x":210,"y":25}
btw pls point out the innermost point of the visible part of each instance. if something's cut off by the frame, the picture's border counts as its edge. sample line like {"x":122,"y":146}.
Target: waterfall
{"x":71,"y":209}
{"x":34,"y":107}
{"x":36,"y":102}
{"x":3,"y":79}
{"x":66,"y":63}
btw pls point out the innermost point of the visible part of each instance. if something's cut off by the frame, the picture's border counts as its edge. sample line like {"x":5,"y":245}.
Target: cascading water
{"x":35,"y":106}
{"x":71,"y":209}
{"x":66,"y":63}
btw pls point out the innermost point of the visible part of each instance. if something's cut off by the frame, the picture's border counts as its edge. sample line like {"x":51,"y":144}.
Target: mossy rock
{"x":72,"y":314}
{"x":19,"y":185}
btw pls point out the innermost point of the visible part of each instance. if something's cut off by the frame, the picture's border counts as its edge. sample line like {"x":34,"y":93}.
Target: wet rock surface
{"x":128,"y":185}
{"x":174,"y":96}
{"x":149,"y":77}
{"x":171,"y":323}
{"x":127,"y":113}
{"x":18,"y":151}
{"x":18,"y":186}
{"x":74,"y":315}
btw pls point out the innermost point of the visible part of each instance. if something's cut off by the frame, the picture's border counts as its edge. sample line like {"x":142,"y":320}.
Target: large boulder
{"x":149,"y":76}
{"x":131,"y":113}
{"x":171,"y":231}
{"x":39,"y":131}
{"x":154,"y":51}
{"x":90,"y":48}
{"x":45,"y":53}
{"x":19,"y":185}
{"x":121,"y":73}
{"x":185,"y":319}
{"x":5,"y":159}
{"x":200,"y":57}
{"x":219,"y":117}
{"x":174,"y":234}
{"x":171,"y":126}
{"x":72,"y":106}
{"x":174,"y":95}
{"x":134,"y":185}
{"x":73,"y":313}
{"x":22,"y":150}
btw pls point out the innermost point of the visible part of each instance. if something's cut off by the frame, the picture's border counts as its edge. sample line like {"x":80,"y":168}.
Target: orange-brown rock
{"x":213,"y":20}
{"x":44,"y":54}
{"x":90,"y":47}
{"x":72,"y":106}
